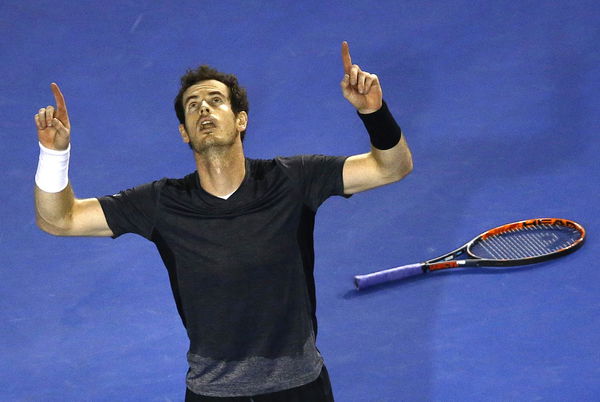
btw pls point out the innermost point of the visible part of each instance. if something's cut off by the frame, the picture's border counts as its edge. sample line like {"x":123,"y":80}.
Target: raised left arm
{"x":389,"y":159}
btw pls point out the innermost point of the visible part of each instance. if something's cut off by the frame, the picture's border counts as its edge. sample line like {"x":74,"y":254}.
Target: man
{"x":235,"y":235}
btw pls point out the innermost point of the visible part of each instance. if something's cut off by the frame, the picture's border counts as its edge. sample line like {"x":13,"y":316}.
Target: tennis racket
{"x":518,"y":243}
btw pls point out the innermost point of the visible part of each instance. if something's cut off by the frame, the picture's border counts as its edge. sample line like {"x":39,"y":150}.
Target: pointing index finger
{"x":59,"y":98}
{"x":346,"y":59}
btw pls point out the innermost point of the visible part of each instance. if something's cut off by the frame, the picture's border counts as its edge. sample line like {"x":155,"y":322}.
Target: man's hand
{"x":360,"y":88}
{"x":53,"y":126}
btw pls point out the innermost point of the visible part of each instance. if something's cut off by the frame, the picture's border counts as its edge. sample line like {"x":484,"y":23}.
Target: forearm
{"x":389,"y":149}
{"x":54,"y":211}
{"x":389,"y":159}
{"x":394,"y":163}
{"x":54,"y":197}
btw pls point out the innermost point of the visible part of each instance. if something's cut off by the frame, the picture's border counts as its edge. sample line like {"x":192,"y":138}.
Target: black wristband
{"x":385,"y":133}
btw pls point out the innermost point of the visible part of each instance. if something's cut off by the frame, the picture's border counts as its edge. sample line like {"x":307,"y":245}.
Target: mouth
{"x":206,"y":125}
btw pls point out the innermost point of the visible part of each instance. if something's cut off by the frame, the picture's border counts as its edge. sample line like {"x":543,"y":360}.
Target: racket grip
{"x":388,"y":275}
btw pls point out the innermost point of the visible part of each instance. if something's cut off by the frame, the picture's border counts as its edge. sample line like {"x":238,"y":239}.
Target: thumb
{"x":345,"y":82}
{"x":60,"y":127}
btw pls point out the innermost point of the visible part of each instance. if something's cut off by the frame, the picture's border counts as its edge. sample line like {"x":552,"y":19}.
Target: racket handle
{"x":388,"y":275}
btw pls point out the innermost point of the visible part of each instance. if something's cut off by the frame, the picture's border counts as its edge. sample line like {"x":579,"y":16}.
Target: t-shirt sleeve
{"x":132,"y":210}
{"x":317,"y":176}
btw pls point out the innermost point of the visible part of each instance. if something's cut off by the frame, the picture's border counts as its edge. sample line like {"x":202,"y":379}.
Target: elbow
{"x":49,"y":228}
{"x":46,"y":227}
{"x":402,"y":170}
{"x":408,"y":167}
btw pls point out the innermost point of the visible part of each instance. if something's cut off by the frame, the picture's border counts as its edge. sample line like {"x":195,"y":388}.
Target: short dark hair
{"x":237,"y":94}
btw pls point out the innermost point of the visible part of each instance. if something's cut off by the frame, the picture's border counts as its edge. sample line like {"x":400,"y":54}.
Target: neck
{"x":221,"y":169}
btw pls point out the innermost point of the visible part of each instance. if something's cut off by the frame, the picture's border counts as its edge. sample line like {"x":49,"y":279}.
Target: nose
{"x":204,"y":107}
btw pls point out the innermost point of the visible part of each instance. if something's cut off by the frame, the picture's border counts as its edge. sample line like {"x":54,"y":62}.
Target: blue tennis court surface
{"x":498,"y":100}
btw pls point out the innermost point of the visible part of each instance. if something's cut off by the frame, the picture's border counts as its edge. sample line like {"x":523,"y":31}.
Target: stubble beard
{"x":212,"y":147}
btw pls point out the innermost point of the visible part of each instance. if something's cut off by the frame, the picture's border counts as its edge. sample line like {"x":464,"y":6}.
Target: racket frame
{"x":449,"y":260}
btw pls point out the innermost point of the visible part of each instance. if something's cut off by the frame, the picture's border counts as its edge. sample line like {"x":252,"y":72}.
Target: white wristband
{"x":52,"y":174}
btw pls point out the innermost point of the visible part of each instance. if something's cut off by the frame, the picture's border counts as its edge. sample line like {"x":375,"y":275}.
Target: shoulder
{"x":309,"y":162}
{"x":188,"y":181}
{"x":310,"y":168}
{"x":155,"y":188}
{"x":295,"y":161}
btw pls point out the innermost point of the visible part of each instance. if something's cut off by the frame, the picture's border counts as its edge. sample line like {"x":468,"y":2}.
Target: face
{"x":209,"y":120}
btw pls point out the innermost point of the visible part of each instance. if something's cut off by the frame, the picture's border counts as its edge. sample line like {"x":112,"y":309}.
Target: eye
{"x":192,"y":105}
{"x":217,"y":100}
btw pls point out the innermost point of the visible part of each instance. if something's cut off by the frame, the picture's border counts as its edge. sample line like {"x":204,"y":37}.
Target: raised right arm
{"x":58,"y":212}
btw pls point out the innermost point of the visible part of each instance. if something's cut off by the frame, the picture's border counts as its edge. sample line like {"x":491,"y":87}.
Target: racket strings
{"x":506,"y":248}
{"x":509,"y":248}
{"x":525,"y":242}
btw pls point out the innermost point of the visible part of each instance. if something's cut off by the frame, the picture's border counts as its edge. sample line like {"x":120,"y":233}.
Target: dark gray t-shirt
{"x":241,"y":269}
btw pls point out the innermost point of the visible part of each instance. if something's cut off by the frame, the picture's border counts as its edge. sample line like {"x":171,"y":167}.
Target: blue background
{"x":499,"y":103}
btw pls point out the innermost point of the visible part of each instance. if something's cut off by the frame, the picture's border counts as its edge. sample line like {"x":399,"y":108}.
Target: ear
{"x":184,"y":135}
{"x":241,"y":121}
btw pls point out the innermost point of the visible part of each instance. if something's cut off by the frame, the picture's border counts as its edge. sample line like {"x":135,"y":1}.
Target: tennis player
{"x":236,"y":235}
